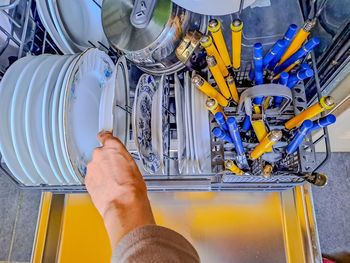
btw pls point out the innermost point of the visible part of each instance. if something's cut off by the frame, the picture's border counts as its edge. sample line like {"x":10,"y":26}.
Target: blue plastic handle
{"x":258,"y":64}
{"x":283,"y":80}
{"x":294,"y":78}
{"x":297,"y":55}
{"x":221,"y":134}
{"x":251,"y":75}
{"x":235,"y":135}
{"x":299,"y":136}
{"x":258,"y":70}
{"x":323,"y":122}
{"x":273,"y":52}
{"x":220,"y":119}
{"x":287,"y":39}
{"x":304,"y":66}
{"x":246,"y":124}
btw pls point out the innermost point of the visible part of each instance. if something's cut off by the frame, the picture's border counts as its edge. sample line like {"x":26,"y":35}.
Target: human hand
{"x":117,"y":188}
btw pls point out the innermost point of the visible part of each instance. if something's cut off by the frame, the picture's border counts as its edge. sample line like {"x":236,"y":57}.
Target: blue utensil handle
{"x":221,"y":134}
{"x":220,"y":119}
{"x":323,"y":122}
{"x":246,"y":124}
{"x":287,"y":39}
{"x":299,"y":136}
{"x":258,"y":69}
{"x":283,"y":80}
{"x":304,"y":66}
{"x":273,"y":52}
{"x":258,"y":100}
{"x":258,"y":64}
{"x":235,"y":135}
{"x":297,"y":55}
{"x":294,"y":78}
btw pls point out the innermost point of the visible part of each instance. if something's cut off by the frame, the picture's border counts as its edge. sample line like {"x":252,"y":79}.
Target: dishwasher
{"x":170,"y":127}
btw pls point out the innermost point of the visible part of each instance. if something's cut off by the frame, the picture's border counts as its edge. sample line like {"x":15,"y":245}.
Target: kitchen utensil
{"x":148,"y":35}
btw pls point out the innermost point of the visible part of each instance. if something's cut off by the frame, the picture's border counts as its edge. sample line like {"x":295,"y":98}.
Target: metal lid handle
{"x":142,"y":13}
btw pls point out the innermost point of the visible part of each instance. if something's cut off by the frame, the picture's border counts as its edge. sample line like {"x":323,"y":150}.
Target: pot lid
{"x":132,"y":25}
{"x":213,"y":8}
{"x":113,"y":112}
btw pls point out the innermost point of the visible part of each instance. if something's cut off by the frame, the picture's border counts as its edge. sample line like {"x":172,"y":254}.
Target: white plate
{"x":188,"y":112}
{"x":121,"y":98}
{"x":17,"y":116}
{"x":46,"y":115}
{"x":163,"y":116}
{"x":65,"y":171}
{"x":7,"y":85}
{"x":188,"y":161}
{"x":201,"y":130}
{"x":142,"y":112}
{"x":62,"y":119}
{"x":82,"y":102}
{"x":78,"y":22}
{"x":156,"y":123}
{"x":116,"y":92}
{"x":44,"y":14}
{"x":32,"y":121}
{"x":159,"y":122}
{"x":180,"y":125}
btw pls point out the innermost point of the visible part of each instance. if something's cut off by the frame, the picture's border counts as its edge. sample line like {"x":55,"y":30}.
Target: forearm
{"x":122,"y":220}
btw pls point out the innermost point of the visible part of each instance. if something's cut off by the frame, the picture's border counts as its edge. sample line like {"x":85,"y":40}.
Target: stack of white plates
{"x":50,"y":106}
{"x":72,"y":24}
{"x":193,"y":132}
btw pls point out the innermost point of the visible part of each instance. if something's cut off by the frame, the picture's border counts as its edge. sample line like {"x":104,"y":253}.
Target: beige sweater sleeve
{"x":154,"y":244}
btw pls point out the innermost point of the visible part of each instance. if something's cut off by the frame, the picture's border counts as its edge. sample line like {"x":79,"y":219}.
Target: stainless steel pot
{"x":148,"y":31}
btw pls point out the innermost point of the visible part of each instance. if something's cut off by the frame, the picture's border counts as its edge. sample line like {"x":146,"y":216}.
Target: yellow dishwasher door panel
{"x":223,"y":226}
{"x":84,"y":237}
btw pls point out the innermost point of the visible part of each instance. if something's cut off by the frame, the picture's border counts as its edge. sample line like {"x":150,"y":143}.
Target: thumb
{"x":107,"y":139}
{"x":103,"y":136}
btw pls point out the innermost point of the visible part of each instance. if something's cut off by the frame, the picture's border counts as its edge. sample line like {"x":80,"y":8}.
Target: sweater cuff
{"x":155,"y":243}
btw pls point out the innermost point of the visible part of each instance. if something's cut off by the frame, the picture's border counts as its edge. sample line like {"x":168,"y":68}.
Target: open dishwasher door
{"x":224,"y":227}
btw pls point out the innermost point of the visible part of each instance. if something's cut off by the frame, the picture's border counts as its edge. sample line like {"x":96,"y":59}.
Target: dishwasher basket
{"x":290,"y":169}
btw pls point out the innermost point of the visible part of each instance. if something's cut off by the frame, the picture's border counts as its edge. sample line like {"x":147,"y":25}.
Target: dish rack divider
{"x":303,"y":160}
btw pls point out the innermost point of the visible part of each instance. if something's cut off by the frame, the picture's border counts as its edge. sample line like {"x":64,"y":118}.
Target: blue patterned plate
{"x":142,"y":115}
{"x":82,"y":102}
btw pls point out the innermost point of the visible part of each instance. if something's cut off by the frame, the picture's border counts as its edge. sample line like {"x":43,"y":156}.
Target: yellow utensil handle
{"x":233,"y":90}
{"x":288,"y":69}
{"x":212,"y":93}
{"x":211,"y":50}
{"x":306,"y":114}
{"x":229,"y":165}
{"x":236,"y":45}
{"x":221,"y":45}
{"x":260,"y":131}
{"x":295,"y":45}
{"x":213,"y":106}
{"x":220,"y":81}
{"x":262,"y":147}
{"x":218,"y":109}
{"x":257,"y":109}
